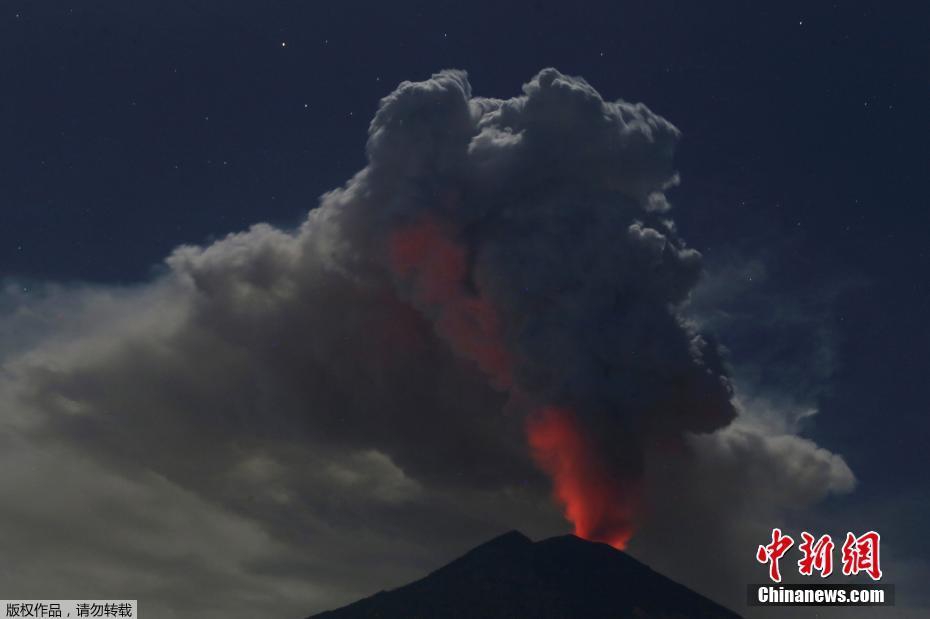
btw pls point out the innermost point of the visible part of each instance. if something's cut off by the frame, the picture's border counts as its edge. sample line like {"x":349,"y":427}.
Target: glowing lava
{"x":600,"y":506}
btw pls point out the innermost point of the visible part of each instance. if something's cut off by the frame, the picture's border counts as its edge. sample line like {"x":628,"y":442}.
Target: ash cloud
{"x":544,"y":227}
{"x":356,"y":389}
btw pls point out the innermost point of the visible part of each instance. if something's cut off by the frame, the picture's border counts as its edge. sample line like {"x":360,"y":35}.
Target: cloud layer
{"x":322,"y":412}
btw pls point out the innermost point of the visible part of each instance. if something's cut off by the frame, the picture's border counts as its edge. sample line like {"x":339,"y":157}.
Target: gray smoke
{"x":352,"y":393}
{"x":546,"y":258}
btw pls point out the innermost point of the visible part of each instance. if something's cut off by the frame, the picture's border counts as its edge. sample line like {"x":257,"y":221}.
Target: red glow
{"x":466,"y":320}
{"x":599,"y":503}
{"x":600,"y":506}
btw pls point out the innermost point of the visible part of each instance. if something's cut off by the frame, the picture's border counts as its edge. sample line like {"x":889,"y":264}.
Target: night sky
{"x":130,"y":128}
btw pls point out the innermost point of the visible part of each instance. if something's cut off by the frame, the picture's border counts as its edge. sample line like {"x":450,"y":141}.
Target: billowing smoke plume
{"x":484,"y":317}
{"x":530,"y":233}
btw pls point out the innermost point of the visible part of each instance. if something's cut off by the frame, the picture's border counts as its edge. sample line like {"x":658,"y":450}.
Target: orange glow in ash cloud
{"x":600,"y":505}
{"x":466,"y":320}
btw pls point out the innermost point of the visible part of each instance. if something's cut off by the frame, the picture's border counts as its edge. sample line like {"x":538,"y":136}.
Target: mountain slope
{"x":510,"y":577}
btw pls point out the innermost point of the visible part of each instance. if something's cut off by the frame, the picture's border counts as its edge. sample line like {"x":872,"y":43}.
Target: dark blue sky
{"x":125,"y":131}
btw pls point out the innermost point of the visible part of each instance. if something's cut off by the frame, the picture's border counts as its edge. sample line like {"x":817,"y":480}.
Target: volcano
{"x":511,"y":577}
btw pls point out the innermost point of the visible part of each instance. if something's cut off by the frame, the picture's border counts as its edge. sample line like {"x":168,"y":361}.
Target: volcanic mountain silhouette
{"x":511,"y":577}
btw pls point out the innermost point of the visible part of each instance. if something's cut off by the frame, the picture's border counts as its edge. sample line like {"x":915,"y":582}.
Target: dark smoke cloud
{"x":354,"y":392}
{"x":532,"y":236}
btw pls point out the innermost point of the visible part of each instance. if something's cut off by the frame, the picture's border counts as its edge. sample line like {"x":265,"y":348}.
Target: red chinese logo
{"x":860,"y":554}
